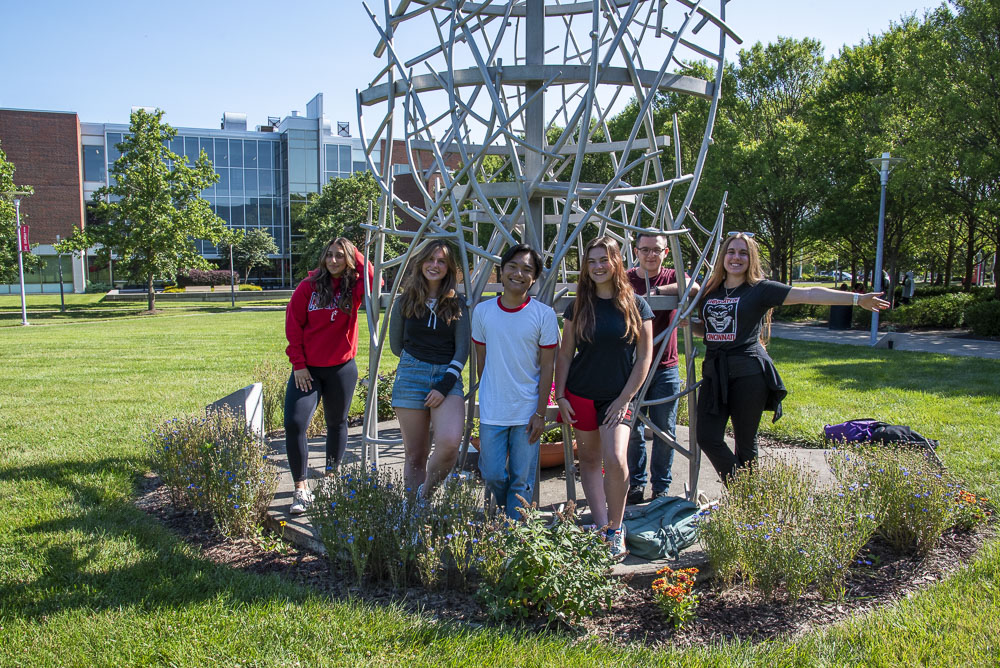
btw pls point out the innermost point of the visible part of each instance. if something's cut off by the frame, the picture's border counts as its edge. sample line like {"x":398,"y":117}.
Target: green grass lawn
{"x":86,"y":579}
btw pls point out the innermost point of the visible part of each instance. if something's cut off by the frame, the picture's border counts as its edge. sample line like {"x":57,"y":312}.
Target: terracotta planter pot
{"x":552,"y":454}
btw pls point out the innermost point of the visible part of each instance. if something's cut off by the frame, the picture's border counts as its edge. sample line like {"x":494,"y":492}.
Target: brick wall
{"x":45,"y":149}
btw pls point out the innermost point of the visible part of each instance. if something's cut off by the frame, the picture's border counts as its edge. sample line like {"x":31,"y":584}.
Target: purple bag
{"x":852,"y":431}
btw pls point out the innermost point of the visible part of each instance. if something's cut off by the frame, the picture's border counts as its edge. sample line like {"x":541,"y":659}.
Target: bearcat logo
{"x":720,"y":314}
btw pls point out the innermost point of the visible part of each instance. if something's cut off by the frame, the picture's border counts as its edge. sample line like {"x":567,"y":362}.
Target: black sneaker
{"x":660,"y":495}
{"x":635,"y":496}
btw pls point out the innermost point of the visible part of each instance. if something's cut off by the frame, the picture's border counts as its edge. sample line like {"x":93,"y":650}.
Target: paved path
{"x":945,"y":342}
{"x":552,"y":490}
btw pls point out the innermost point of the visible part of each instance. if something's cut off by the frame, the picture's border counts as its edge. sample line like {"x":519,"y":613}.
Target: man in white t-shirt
{"x":516,"y":339}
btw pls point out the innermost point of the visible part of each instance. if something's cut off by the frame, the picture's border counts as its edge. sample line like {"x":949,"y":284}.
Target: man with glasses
{"x":652,"y":278}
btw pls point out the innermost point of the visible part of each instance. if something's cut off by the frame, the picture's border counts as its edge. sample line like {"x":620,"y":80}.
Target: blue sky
{"x":198,"y":59}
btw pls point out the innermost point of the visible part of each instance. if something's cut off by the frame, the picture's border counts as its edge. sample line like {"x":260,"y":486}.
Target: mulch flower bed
{"x":732,"y":614}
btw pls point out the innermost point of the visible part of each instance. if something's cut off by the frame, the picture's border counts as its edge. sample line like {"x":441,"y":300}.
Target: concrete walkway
{"x":552,"y":490}
{"x":944,"y":342}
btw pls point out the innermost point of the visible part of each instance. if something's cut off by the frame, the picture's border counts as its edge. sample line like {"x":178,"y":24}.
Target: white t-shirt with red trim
{"x":508,"y":389}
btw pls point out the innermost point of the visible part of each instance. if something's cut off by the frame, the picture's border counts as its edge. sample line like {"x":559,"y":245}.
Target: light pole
{"x":20,"y":260}
{"x":62,"y":294}
{"x":884,"y":165}
{"x":232,"y":277}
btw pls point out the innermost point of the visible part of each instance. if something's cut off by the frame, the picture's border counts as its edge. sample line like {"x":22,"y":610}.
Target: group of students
{"x":599,"y":366}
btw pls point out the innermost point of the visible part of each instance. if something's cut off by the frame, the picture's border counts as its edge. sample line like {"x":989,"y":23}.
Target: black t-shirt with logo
{"x":601,"y":366}
{"x":733,"y":318}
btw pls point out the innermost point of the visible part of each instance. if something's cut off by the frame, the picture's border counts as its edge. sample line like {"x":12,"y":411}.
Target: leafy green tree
{"x":153,"y":211}
{"x":338,"y":211}
{"x":8,"y":225}
{"x":253,"y":248}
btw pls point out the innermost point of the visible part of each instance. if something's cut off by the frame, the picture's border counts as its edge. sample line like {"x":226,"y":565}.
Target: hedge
{"x":188,"y":277}
{"x":984,"y":318}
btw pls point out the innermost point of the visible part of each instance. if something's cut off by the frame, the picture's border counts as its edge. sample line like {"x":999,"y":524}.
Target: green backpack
{"x":661,"y":528}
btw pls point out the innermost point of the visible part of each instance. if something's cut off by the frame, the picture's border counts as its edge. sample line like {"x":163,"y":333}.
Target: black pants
{"x":746,"y":396}
{"x":335,"y":384}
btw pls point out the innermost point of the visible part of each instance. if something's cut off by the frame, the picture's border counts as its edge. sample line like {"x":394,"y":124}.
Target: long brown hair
{"x":623,"y":296}
{"x":416,"y":290}
{"x":753,"y":275}
{"x":321,"y":277}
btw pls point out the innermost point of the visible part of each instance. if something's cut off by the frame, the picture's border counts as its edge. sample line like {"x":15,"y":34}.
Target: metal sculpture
{"x":498,"y":113}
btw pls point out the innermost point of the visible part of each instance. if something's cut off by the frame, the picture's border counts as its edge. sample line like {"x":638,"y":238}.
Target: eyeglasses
{"x":748,"y":235}
{"x":654,"y":251}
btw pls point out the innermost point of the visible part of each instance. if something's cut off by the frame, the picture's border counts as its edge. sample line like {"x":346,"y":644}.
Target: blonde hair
{"x":753,"y":275}
{"x":416,"y":290}
{"x":623,"y":295}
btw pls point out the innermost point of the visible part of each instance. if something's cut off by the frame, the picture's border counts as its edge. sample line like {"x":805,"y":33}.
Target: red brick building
{"x":44,"y":147}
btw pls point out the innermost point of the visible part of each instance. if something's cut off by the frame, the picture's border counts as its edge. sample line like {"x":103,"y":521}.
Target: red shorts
{"x":589,"y":414}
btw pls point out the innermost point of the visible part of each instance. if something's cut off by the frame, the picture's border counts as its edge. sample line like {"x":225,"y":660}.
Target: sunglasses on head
{"x":748,"y":235}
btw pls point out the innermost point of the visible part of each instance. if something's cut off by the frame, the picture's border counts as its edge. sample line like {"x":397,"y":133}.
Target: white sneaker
{"x":301,"y":501}
{"x":616,"y":543}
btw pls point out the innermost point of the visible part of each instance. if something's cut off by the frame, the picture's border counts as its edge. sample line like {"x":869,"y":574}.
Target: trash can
{"x":840,"y":317}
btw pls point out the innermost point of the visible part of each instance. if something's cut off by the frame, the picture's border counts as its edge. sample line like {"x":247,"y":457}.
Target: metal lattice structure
{"x":496,"y":109}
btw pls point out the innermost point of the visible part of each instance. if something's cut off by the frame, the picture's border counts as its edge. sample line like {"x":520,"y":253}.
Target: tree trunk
{"x":150,"y":295}
{"x":970,"y":254}
{"x":996,"y":264}
{"x":949,"y":262}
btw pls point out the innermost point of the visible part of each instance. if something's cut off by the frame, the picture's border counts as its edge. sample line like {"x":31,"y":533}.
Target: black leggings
{"x":747,"y":396}
{"x":336,"y":385}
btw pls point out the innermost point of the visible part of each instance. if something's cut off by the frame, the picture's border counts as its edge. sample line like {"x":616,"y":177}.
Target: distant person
{"x":740,"y":380}
{"x":605,"y":354}
{"x":429,"y":331}
{"x":321,"y":325}
{"x":843,"y":287}
{"x":516,"y":339}
{"x":909,"y":287}
{"x":652,"y":278}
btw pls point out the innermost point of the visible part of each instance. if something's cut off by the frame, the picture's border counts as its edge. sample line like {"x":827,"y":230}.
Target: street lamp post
{"x":62,"y":293}
{"x":232,"y":278}
{"x":884,"y":165}
{"x":16,"y":194}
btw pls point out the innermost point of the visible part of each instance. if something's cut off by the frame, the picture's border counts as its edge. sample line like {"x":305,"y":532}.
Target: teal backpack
{"x":661,"y":528}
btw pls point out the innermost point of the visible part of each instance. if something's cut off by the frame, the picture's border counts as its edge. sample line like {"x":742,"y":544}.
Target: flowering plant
{"x":970,"y":511}
{"x":672,"y":592}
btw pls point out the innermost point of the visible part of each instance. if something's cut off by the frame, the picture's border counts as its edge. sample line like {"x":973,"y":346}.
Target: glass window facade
{"x":94,"y":167}
{"x":264,"y":181}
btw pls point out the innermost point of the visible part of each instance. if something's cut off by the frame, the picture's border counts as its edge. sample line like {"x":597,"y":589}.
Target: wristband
{"x":537,"y":414}
{"x":558,"y":398}
{"x":856,"y":295}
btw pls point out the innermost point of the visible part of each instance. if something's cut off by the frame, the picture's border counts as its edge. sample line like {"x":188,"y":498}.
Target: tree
{"x":338,"y":211}
{"x":153,"y":211}
{"x":8,"y":224}
{"x":252,"y":249}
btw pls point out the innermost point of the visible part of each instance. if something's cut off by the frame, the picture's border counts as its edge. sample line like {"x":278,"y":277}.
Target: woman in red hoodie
{"x":321,"y":325}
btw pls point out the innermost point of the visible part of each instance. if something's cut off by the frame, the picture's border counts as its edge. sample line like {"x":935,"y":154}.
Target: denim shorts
{"x":415,"y":379}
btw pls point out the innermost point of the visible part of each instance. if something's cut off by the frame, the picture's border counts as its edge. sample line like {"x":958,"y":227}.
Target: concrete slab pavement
{"x":943,"y":342}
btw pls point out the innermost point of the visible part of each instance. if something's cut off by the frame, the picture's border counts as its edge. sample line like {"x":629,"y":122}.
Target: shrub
{"x":775,"y":531}
{"x":911,"y":497}
{"x":795,"y":312}
{"x":187,"y":277}
{"x":274,"y":379}
{"x":215,"y":465}
{"x":944,"y":311}
{"x":383,"y":394}
{"x":249,"y":287}
{"x":372,"y":528}
{"x":672,"y":593}
{"x":938,"y":290}
{"x":94,"y":287}
{"x":560,"y":572}
{"x":983,"y":317}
